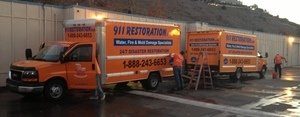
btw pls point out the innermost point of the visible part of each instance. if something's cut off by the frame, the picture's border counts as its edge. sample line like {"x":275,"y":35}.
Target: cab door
{"x":81,"y":66}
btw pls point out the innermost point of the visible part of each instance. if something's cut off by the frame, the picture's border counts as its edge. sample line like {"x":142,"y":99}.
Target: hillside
{"x":197,"y":10}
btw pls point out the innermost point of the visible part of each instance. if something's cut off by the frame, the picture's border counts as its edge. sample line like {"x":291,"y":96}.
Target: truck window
{"x":81,"y":53}
{"x":50,"y":53}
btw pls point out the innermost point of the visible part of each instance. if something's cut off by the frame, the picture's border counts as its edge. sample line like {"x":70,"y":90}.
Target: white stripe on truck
{"x":228,"y":66}
{"x":120,"y":74}
{"x":249,"y":66}
{"x":144,"y":71}
{"x":234,"y":55}
{"x":135,"y":56}
{"x":133,"y":72}
{"x":168,"y":69}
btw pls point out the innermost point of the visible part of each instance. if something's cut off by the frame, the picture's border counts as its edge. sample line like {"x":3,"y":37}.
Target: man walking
{"x":278,"y":61}
{"x":176,"y":62}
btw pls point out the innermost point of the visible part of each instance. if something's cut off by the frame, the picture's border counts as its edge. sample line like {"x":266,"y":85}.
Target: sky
{"x":289,"y":9}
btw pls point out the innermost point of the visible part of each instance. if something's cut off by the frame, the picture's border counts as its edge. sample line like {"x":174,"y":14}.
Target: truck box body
{"x":128,"y":51}
{"x":226,"y":51}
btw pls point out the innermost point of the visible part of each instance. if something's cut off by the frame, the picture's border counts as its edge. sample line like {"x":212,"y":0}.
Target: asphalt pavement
{"x":278,"y":97}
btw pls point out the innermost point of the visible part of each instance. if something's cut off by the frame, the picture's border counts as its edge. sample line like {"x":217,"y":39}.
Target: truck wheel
{"x":55,"y":90}
{"x":262,"y":72}
{"x":152,"y":82}
{"x":237,"y":75}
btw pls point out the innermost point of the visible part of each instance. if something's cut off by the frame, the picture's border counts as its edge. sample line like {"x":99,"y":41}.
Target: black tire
{"x":152,"y":82}
{"x":237,"y":75}
{"x":262,"y":72}
{"x":55,"y":90}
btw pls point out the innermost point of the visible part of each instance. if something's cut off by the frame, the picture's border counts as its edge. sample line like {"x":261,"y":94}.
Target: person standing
{"x":278,"y":61}
{"x":176,"y":62}
{"x":99,"y":93}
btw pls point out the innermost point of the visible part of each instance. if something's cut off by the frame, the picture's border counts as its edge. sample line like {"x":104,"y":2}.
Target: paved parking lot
{"x":2,"y":79}
{"x":269,"y":97}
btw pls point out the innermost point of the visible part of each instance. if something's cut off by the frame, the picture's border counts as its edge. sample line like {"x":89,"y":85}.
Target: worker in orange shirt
{"x":278,"y":61}
{"x":176,"y":62}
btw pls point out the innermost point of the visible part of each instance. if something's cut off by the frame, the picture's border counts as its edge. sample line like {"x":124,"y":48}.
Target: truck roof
{"x":91,"y":22}
{"x":218,"y":31}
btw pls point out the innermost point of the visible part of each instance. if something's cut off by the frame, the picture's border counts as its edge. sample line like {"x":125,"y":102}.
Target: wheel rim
{"x":238,"y":74}
{"x":56,"y":91}
{"x":154,"y":82}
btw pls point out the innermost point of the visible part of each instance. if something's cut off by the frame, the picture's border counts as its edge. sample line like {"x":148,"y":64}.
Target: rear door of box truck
{"x":204,"y":41}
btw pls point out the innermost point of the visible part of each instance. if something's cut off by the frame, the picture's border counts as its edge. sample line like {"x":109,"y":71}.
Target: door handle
{"x":93,"y":66}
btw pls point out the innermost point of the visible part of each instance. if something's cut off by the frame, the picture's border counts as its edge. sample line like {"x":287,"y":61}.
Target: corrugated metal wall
{"x":23,"y":26}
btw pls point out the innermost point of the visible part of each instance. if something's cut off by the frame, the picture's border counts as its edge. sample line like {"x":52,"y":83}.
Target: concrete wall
{"x":270,"y":43}
{"x":23,"y":26}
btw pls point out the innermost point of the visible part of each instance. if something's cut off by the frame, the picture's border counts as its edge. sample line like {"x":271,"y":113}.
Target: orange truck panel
{"x":131,"y":49}
{"x":238,"y":50}
{"x":226,"y":50}
{"x":136,"y":49}
{"x":208,"y":42}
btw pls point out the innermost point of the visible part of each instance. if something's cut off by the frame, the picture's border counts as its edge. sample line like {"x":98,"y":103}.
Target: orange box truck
{"x":123,"y":50}
{"x":227,"y":53}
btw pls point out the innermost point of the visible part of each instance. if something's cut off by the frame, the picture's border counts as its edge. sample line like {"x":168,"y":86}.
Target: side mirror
{"x":266,"y":55}
{"x":61,"y":57}
{"x":42,"y":46}
{"x":28,"y":53}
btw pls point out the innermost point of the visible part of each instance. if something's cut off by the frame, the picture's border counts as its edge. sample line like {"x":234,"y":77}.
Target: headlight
{"x":9,"y":74}
{"x":30,"y":76}
{"x":29,"y":73}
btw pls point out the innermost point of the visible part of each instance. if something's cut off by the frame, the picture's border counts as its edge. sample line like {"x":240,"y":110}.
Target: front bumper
{"x":20,"y":87}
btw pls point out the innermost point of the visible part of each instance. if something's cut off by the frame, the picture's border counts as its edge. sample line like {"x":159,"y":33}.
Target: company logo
{"x":193,"y":59}
{"x":225,"y":61}
{"x":80,"y":71}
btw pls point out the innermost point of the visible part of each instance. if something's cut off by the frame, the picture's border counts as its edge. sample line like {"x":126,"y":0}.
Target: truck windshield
{"x":50,"y":53}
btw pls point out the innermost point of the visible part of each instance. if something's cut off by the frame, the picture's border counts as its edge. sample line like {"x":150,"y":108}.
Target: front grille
{"x":16,"y":75}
